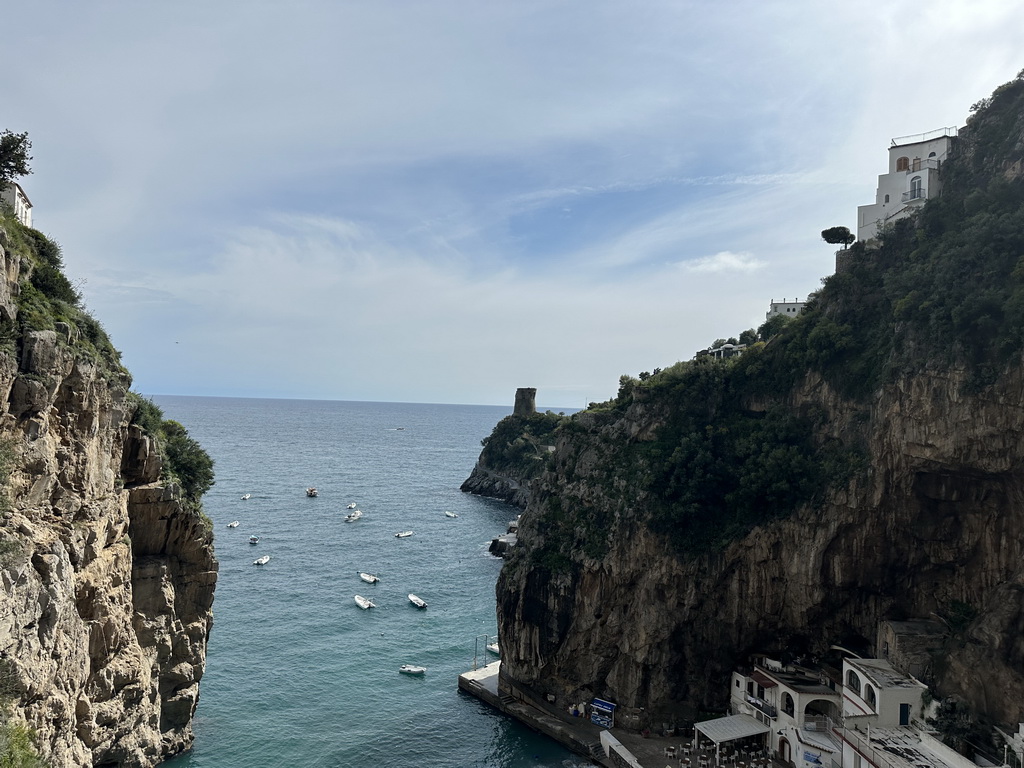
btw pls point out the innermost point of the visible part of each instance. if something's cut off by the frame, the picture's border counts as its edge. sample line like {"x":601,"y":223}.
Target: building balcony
{"x":762,"y":706}
{"x":915,"y":194}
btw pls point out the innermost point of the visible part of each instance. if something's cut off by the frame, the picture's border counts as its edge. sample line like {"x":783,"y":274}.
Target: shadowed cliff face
{"x":937,"y":520}
{"x":107,"y":577}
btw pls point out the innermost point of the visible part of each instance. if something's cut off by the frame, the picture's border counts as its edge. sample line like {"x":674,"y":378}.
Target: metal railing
{"x":916,"y":138}
{"x":917,"y":193}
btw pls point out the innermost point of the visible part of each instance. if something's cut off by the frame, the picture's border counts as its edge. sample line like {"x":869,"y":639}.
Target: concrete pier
{"x":576,"y":733}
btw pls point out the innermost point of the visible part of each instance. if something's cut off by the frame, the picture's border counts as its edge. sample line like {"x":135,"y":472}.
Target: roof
{"x":762,"y":679}
{"x":882,"y":674}
{"x":731,"y":728}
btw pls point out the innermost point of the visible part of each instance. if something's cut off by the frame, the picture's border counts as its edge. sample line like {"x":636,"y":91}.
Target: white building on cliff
{"x":913,"y":177}
{"x":15,"y":196}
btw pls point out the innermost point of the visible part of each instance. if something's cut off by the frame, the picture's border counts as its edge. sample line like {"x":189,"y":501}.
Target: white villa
{"x":15,"y":196}
{"x":873,"y":717}
{"x":784,"y":307}
{"x":913,"y":177}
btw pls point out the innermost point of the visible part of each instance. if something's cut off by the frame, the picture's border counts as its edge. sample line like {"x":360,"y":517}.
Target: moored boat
{"x":233,"y":524}
{"x":311,"y":492}
{"x":369,"y":578}
{"x":246,"y":496}
{"x":363,"y":603}
{"x":261,"y":560}
{"x":493,"y":648}
{"x":419,"y":602}
{"x":403,"y":534}
{"x":354,"y":515}
{"x":351,"y":506}
{"x":412,"y":669}
{"x":254,"y":539}
{"x":449,"y":514}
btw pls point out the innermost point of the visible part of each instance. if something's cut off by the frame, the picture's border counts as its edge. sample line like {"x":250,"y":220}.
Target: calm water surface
{"x":297,"y":674}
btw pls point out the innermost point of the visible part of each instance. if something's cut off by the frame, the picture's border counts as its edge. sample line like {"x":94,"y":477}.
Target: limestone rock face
{"x":106,"y":578}
{"x":937,"y":520}
{"x":505,"y":484}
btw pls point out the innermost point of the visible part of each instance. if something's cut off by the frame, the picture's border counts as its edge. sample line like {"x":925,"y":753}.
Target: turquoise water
{"x":297,"y":674}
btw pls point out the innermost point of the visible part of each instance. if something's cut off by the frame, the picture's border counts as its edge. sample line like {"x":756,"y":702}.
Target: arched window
{"x":903,"y":164}
{"x":916,"y":191}
{"x":887,"y":198}
{"x":787,"y":704}
{"x":853,"y":682}
{"x":869,"y":697}
{"x":931,"y":154}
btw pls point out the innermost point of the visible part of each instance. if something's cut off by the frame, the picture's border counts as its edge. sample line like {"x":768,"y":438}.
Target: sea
{"x":297,"y":674}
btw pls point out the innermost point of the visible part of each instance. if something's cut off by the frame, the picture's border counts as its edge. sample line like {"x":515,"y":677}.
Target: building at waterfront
{"x":912,"y":178}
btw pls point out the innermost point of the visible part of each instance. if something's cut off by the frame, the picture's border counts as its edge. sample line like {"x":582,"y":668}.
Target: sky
{"x":443,"y":200}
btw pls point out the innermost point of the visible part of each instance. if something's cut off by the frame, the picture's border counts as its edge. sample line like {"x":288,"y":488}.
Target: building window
{"x":869,"y":697}
{"x":903,"y":164}
{"x":931,"y":154}
{"x":916,"y":191}
{"x":787,"y":704}
{"x":887,"y":198}
{"x":737,"y":683}
{"x":853,"y":682}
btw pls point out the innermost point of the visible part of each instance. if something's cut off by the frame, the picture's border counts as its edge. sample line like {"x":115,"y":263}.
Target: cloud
{"x":725,"y":261}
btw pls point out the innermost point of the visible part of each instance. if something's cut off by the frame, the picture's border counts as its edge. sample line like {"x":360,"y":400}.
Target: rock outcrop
{"x":107,"y":575}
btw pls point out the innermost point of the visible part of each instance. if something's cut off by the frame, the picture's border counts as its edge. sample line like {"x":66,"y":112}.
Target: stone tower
{"x":526,"y":401}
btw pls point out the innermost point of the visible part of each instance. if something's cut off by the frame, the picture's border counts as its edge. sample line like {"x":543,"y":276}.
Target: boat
{"x":354,"y":515}
{"x":261,"y":560}
{"x":363,"y":603}
{"x":403,"y":534}
{"x":493,"y":648}
{"x":311,"y":492}
{"x":233,"y":524}
{"x":369,"y":578}
{"x":419,"y":602}
{"x":246,"y":496}
{"x":351,"y":506}
{"x":449,"y":514}
{"x":254,"y":539}
{"x":412,"y":669}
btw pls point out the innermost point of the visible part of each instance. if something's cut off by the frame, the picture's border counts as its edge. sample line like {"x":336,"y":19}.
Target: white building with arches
{"x":913,"y":178}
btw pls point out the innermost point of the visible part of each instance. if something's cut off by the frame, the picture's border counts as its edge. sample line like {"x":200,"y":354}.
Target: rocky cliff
{"x":106,"y":575}
{"x":865,"y":464}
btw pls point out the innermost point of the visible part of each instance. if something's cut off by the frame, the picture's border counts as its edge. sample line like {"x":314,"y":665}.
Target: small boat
{"x":369,"y":578}
{"x":449,"y":514}
{"x":246,"y":496}
{"x":261,"y":560}
{"x":363,"y":603}
{"x":493,"y":648}
{"x":351,"y":506}
{"x":403,"y":534}
{"x":419,"y":602}
{"x":233,"y":524}
{"x":354,"y":515}
{"x":254,"y":539}
{"x":311,"y":492}
{"x":412,"y":669}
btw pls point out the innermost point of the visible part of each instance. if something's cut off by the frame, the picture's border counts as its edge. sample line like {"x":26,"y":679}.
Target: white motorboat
{"x":311,"y":492}
{"x":351,"y":506}
{"x":493,"y":648}
{"x":233,"y":524}
{"x":254,"y":539}
{"x":419,"y":602}
{"x":449,"y":514}
{"x":363,"y":603}
{"x":412,"y":669}
{"x":261,"y":560}
{"x":354,"y":515}
{"x":403,"y":534}
{"x":246,"y":496}
{"x":369,"y":578}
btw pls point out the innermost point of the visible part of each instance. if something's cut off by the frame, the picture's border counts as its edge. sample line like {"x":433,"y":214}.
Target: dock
{"x":612,"y":748}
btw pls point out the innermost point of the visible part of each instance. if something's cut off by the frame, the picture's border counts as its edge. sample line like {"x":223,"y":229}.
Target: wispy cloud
{"x":725,"y":261}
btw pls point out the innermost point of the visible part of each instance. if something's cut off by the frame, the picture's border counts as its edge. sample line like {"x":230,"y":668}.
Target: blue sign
{"x":607,"y":706}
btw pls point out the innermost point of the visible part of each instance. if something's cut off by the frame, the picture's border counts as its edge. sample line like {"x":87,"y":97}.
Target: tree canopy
{"x":837,"y":235}
{"x":14,"y":156}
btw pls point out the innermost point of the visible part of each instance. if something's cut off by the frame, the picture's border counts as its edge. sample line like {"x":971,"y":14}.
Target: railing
{"x":919,"y":137}
{"x":917,"y":193}
{"x":762,"y":705}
